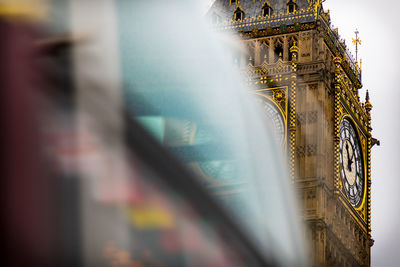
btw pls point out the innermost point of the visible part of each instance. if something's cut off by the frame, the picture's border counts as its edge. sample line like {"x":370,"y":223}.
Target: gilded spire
{"x":316,"y":5}
{"x":357,"y":41}
{"x":294,"y":48}
{"x":368,"y":105}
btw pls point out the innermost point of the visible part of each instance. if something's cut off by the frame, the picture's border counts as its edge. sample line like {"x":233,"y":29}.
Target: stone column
{"x":257,"y":59}
{"x":285,"y":49}
{"x":271,"y":51}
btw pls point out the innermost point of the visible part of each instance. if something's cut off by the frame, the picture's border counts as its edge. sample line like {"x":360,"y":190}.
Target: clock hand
{"x":351,"y":159}
{"x":348,"y":157}
{"x":352,"y":156}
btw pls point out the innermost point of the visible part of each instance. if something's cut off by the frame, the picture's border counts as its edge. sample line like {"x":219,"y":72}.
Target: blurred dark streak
{"x":57,"y":54}
{"x":41,"y":226}
{"x":182,"y":180}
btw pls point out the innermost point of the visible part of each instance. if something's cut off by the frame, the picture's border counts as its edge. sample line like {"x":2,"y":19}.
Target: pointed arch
{"x":291,"y":6}
{"x":264,"y":52}
{"x":250,"y":53}
{"x":278,"y":49}
{"x":266,"y":9}
{"x":238,"y":15}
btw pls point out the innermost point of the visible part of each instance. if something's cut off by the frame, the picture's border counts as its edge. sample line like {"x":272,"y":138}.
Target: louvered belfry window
{"x":291,"y":6}
{"x":266,"y":10}
{"x":238,"y":14}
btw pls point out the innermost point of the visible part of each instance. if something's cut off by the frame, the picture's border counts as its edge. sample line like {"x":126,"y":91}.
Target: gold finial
{"x":294,"y":48}
{"x":316,"y":5}
{"x":368,"y":105}
{"x":357,"y":42}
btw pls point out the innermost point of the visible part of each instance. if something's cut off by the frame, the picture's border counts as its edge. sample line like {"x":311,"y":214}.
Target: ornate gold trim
{"x":269,"y":94}
{"x":337,"y":113}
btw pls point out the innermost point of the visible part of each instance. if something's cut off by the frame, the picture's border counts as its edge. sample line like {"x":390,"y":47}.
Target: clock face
{"x":351,"y":163}
{"x":274,"y":117}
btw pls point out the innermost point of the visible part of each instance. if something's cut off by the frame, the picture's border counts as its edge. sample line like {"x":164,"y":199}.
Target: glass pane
{"x":188,"y":94}
{"x":137,"y":220}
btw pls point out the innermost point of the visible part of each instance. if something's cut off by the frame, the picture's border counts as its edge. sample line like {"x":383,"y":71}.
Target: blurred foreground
{"x":131,"y":140}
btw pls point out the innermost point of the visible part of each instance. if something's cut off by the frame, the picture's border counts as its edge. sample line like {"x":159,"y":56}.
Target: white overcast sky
{"x":379,"y":25}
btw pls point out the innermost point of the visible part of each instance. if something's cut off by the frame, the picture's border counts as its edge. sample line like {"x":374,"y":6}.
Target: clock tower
{"x":308,"y":83}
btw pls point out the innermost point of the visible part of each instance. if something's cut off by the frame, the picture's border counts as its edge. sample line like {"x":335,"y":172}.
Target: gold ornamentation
{"x":316,"y":6}
{"x":294,"y":48}
{"x":338,"y":114}
{"x":356,"y":41}
{"x":279,"y":96}
{"x":368,"y":105}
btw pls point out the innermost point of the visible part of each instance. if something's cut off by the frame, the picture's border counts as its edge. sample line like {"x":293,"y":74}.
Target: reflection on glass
{"x":151,"y":225}
{"x":222,"y":170}
{"x":208,"y":119}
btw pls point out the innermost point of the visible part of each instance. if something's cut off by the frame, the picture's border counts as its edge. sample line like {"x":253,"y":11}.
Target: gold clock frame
{"x":361,"y":138}
{"x":278,"y":96}
{"x":360,"y":213}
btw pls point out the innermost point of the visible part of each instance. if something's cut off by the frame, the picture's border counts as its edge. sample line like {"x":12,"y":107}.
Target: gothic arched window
{"x":264,"y":52}
{"x":239,"y":14}
{"x":251,"y":54}
{"x":291,"y":6}
{"x":266,"y":10}
{"x":278,"y":50}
